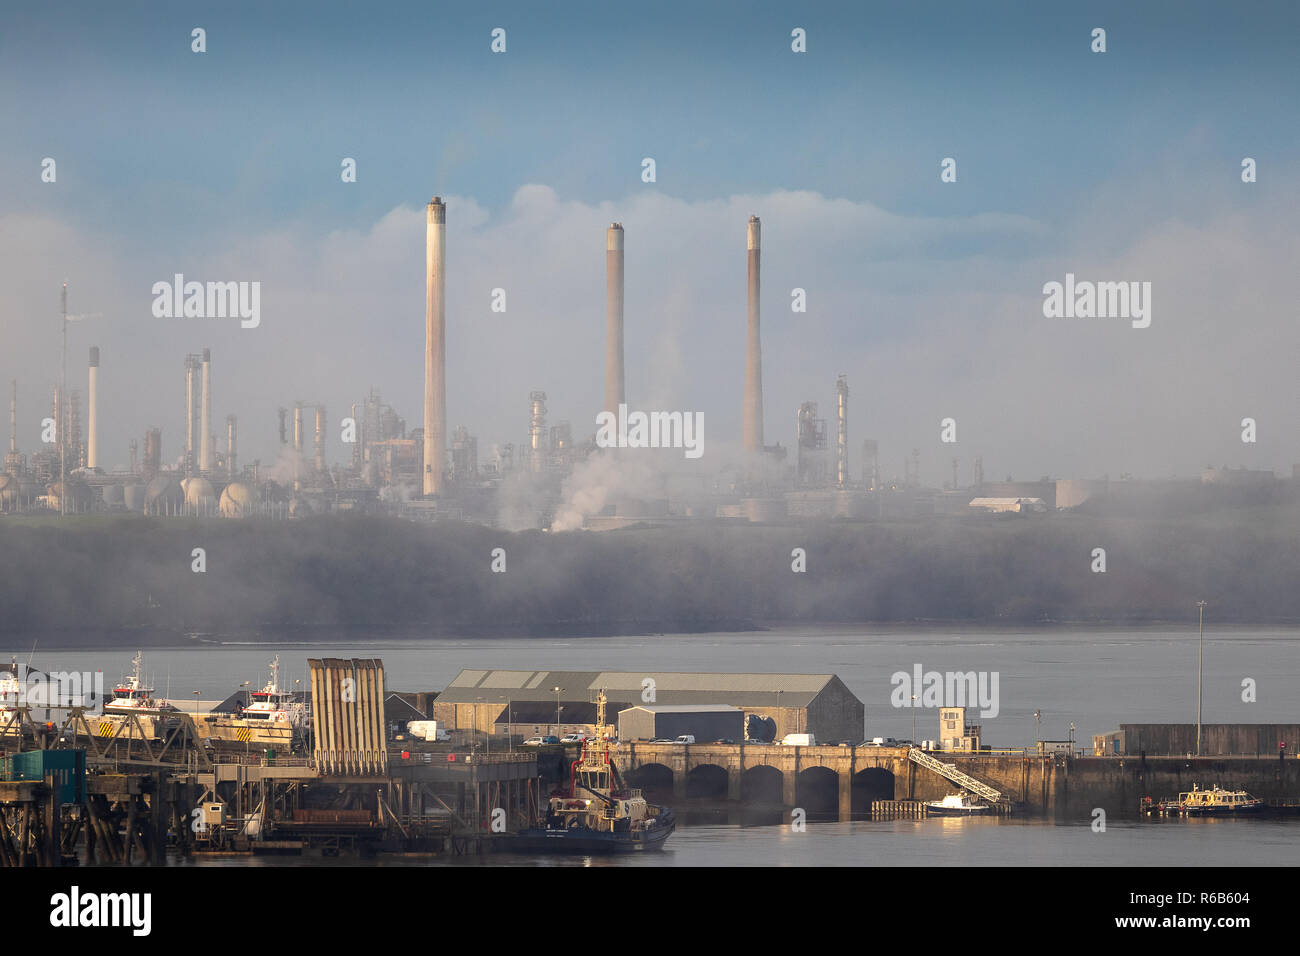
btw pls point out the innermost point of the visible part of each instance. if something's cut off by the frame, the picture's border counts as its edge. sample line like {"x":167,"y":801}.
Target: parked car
{"x":541,"y":741}
{"x":573,"y":738}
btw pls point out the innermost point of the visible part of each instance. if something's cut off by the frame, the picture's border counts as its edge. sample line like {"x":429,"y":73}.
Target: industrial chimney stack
{"x":752,"y":432}
{"x":614,"y":394}
{"x":320,"y":439}
{"x":92,"y":439}
{"x":231,"y":423}
{"x":842,"y":439}
{"x":205,"y":428}
{"x":435,"y":343}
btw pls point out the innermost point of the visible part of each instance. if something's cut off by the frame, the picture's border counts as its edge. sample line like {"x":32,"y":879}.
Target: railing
{"x":260,"y":760}
{"x":428,"y":756}
{"x":956,"y":776}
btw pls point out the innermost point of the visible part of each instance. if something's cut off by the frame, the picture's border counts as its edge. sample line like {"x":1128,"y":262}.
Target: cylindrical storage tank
{"x":299,"y":508}
{"x":849,"y":505}
{"x":133,"y":497}
{"x":114,"y":496}
{"x":764,"y":509}
{"x":9,"y":492}
{"x":79,"y":496}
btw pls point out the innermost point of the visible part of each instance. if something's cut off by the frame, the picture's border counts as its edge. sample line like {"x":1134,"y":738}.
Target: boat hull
{"x":587,"y":841}
{"x":933,"y":811}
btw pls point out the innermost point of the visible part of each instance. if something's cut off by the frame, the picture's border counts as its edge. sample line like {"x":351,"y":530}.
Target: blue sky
{"x":170,"y":160}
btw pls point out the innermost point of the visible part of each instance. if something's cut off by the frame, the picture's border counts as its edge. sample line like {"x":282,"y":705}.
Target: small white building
{"x":1009,"y":505}
{"x":955,"y":733}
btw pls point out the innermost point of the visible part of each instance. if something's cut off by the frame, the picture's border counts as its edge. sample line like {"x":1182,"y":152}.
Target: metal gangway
{"x":956,"y":776}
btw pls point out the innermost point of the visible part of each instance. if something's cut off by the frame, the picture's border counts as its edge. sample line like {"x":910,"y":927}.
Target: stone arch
{"x":654,"y":779}
{"x":816,"y":790}
{"x":871,"y":784}
{"x":762,"y":786}
{"x":707,"y":780}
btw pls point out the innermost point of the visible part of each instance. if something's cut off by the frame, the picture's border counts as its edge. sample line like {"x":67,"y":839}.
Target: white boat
{"x":133,"y":712}
{"x":957,"y":805}
{"x":273,"y":718}
{"x":132,"y":696}
{"x":10,"y":697}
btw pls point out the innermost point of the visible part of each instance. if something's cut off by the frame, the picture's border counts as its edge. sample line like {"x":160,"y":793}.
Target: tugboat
{"x":598,"y":812}
{"x":956,"y":805}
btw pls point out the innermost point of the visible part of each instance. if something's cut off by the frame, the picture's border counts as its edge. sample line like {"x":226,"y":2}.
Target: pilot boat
{"x":597,"y":812}
{"x":1216,"y":802}
{"x":272,"y":719}
{"x":133,"y":708}
{"x":956,"y":805}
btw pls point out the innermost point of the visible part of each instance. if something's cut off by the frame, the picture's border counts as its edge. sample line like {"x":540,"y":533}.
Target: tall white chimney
{"x":614,"y":394}
{"x":92,"y":421}
{"x":752,"y":431}
{"x":205,"y":429}
{"x":435,"y":344}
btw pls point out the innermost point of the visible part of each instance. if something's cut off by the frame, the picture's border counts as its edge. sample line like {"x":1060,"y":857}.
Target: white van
{"x":685,"y":739}
{"x":799,"y":740}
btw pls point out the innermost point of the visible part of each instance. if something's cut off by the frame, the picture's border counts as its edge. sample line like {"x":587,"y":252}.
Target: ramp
{"x":951,"y":772}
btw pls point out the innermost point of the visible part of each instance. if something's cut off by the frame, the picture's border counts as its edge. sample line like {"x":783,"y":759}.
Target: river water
{"x":1092,"y":678}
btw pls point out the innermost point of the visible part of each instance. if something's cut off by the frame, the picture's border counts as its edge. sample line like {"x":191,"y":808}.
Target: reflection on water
{"x":939,"y":841}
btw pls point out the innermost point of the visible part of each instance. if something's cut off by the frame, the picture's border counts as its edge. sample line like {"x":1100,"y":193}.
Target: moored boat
{"x":274,"y":719}
{"x":597,"y":812}
{"x":1214,"y":802}
{"x":957,"y":805}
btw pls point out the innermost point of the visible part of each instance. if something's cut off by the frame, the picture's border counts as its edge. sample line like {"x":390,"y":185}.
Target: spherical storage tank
{"x":236,"y":500}
{"x":199,"y":496}
{"x":163,"y":497}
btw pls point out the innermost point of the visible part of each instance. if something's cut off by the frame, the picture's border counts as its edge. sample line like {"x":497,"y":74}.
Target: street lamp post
{"x":1200,"y":660}
{"x":1038,"y":729}
{"x":557,"y":691}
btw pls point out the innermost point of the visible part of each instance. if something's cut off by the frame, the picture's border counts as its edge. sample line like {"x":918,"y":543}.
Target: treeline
{"x":357,"y":574}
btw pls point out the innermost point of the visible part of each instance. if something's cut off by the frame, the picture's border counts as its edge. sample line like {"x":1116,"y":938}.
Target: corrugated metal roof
{"x":671,"y":687}
{"x":681,"y":708}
